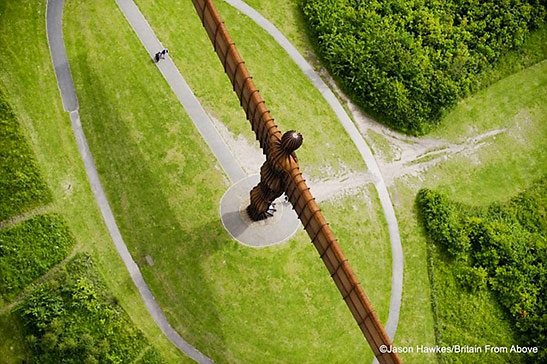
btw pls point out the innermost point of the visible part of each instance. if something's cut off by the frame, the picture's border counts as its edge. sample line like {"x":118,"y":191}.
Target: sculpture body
{"x":281,"y":174}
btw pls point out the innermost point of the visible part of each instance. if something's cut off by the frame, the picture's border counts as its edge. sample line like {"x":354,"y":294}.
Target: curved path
{"x":54,"y":23}
{"x":364,"y":150}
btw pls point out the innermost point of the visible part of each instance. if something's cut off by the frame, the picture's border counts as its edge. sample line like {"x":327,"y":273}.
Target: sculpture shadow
{"x":149,"y":223}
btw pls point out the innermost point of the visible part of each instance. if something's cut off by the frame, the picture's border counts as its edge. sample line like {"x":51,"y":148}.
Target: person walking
{"x":157,"y":57}
{"x":164,"y":52}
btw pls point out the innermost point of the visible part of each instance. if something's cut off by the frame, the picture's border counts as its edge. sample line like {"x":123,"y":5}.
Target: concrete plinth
{"x":273,"y":230}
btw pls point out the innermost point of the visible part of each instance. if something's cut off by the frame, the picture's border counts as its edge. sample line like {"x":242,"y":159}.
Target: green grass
{"x":289,"y":94}
{"x":12,"y":344}
{"x":381,"y":146}
{"x":34,"y":96}
{"x":468,"y":318}
{"x":21,"y":187}
{"x":73,"y":319}
{"x":29,"y":250}
{"x":508,"y":103}
{"x":509,"y":162}
{"x":505,"y":244}
{"x":288,"y":18}
{"x":234,"y":303}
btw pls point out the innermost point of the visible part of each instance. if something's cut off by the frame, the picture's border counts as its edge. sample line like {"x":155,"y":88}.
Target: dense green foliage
{"x":503,"y":247}
{"x":71,"y":319}
{"x":30,"y":249}
{"x":407,"y":61}
{"x":21,"y":187}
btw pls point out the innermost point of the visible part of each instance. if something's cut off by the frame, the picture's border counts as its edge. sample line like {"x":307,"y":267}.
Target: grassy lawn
{"x":509,"y":162}
{"x":12,"y":343}
{"x":293,"y":100}
{"x":234,"y":303}
{"x":288,"y":18}
{"x":32,"y":90}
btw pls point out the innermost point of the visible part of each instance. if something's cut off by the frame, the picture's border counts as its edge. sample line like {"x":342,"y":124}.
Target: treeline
{"x":409,"y":60}
{"x":502,"y":247}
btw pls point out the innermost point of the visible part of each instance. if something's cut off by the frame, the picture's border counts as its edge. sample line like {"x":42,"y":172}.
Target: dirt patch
{"x":249,"y":156}
{"x":409,"y":155}
{"x":339,"y":187}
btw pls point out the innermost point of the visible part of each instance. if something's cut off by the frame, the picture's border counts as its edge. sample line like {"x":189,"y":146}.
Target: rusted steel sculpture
{"x":272,"y":175}
{"x":280,"y":173}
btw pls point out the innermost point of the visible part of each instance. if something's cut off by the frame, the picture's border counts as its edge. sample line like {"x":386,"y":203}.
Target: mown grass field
{"x":234,"y":303}
{"x":31,"y":89}
{"x":238,"y":304}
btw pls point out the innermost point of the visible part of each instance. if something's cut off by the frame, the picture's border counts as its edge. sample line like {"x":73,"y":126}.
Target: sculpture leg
{"x":261,"y":202}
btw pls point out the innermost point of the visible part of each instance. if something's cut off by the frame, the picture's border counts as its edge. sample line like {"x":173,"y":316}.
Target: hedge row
{"x":21,"y":187}
{"x":408,"y":60}
{"x":30,"y":249}
{"x":502,"y":247}
{"x":72,"y":319}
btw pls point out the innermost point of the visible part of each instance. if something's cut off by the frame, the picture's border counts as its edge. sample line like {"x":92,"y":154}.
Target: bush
{"x":30,"y":249}
{"x":442,"y":221}
{"x":71,"y":319}
{"x":407,"y":61}
{"x":473,"y":278}
{"x":507,"y":251}
{"x":21,"y":187}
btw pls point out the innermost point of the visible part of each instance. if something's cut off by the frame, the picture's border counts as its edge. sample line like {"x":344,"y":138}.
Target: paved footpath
{"x":179,"y":86}
{"x":70,"y":103}
{"x":366,"y":154}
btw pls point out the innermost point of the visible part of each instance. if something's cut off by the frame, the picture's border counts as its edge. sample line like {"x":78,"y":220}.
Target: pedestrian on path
{"x":164,"y":52}
{"x":157,"y":57}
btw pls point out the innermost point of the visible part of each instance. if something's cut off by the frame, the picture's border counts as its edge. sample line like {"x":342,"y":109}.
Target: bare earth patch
{"x":408,"y":155}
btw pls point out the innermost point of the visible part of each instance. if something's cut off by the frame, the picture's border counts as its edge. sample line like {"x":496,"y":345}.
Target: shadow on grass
{"x":146,"y":219}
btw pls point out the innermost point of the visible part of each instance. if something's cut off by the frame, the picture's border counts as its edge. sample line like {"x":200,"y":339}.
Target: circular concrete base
{"x":273,"y":230}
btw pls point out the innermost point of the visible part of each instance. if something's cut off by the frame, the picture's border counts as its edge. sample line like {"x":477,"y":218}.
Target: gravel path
{"x":364,"y":150}
{"x":70,"y":102}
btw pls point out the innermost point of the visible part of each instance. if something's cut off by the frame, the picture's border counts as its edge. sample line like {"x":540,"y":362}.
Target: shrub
{"x":473,"y":278}
{"x":72,"y":320}
{"x":407,"y":61}
{"x":507,"y":251}
{"x":442,"y":221}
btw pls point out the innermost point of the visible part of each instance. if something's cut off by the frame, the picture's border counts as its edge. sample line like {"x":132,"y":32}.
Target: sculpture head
{"x":291,"y":141}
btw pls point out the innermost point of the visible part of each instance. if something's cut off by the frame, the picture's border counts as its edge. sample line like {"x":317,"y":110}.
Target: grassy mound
{"x":408,"y":61}
{"x":29,"y":250}
{"x":21,"y":187}
{"x":503,"y":248}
